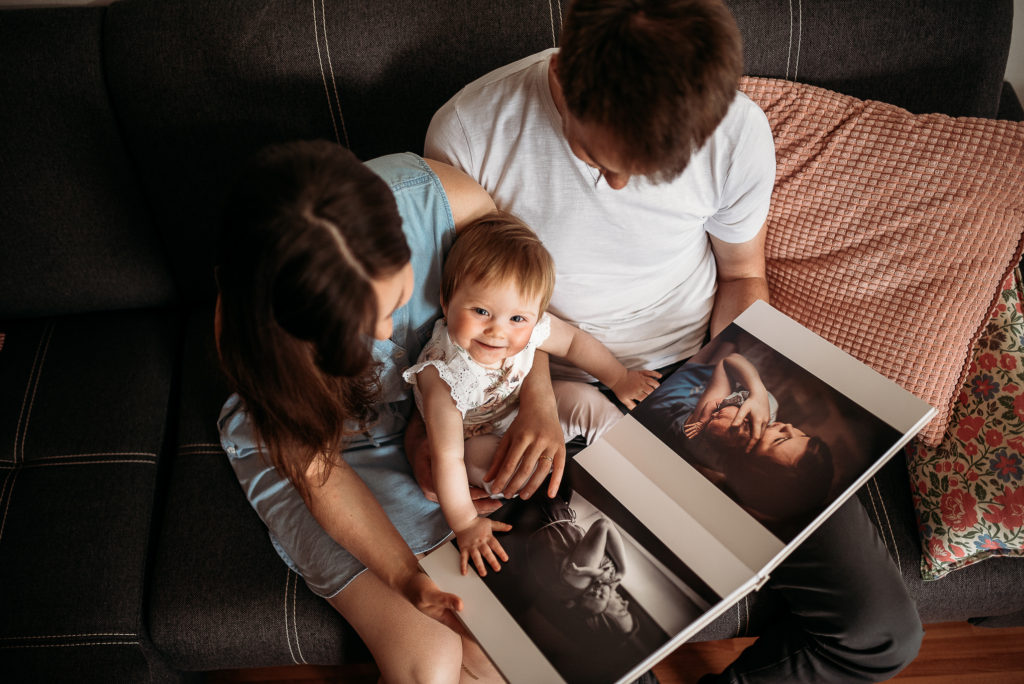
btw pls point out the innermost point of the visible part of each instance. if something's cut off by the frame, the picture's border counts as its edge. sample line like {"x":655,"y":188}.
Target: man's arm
{"x":741,"y":278}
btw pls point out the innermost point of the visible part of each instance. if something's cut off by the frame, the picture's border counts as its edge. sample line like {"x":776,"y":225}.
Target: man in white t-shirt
{"x":638,"y":262}
{"x":648,"y":177}
{"x":651,"y":242}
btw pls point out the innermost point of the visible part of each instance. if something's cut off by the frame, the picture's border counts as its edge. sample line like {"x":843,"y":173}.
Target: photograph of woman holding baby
{"x":777,"y":440}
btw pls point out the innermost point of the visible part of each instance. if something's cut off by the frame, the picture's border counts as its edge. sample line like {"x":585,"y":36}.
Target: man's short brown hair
{"x":659,"y":75}
{"x":499,"y":248}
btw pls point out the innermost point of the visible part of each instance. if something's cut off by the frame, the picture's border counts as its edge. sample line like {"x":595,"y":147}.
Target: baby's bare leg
{"x":479,"y":453}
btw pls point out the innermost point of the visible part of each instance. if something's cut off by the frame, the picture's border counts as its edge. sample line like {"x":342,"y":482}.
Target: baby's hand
{"x":635,"y":386}
{"x":477,"y":542}
{"x":691,"y":430}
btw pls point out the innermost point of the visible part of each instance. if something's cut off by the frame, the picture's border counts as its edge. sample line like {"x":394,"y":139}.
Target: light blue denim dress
{"x":378,"y":458}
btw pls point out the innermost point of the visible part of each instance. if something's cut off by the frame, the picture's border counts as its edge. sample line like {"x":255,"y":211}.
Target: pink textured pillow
{"x":890,"y":233}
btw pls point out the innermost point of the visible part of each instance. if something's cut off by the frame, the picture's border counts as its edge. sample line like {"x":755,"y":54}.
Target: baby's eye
{"x":481,"y":312}
{"x":518,"y":319}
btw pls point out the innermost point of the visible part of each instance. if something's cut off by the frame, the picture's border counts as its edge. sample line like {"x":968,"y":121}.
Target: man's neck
{"x":555,"y":87}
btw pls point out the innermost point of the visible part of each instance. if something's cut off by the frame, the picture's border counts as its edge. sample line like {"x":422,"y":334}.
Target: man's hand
{"x":532,"y":447}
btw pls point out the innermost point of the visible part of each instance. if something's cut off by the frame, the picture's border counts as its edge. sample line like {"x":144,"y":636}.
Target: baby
{"x":495,"y":288}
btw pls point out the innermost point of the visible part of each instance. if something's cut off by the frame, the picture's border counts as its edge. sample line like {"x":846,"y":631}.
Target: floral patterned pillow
{"x":969,"y":491}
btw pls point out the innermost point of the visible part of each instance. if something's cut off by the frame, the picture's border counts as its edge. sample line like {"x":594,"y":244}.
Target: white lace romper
{"x":488,"y":398}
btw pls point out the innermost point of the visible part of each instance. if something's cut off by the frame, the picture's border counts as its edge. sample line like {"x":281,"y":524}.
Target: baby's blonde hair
{"x":499,"y":248}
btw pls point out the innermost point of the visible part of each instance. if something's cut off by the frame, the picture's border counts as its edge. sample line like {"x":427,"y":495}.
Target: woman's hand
{"x":477,"y":543}
{"x":428,"y":598}
{"x":758,"y":412}
{"x":635,"y":386}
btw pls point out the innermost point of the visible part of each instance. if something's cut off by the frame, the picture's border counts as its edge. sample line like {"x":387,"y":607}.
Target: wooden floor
{"x":952,"y":653}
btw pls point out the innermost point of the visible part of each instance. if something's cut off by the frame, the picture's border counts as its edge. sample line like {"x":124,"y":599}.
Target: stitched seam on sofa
{"x":323,"y":75}
{"x":287,"y":633}
{"x":8,"y":494}
{"x":24,"y":401}
{"x":746,"y":612}
{"x":789,"y":50}
{"x":878,"y":522}
{"x":799,"y":35}
{"x":330,"y":65}
{"x":103,"y":462}
{"x":295,"y":617}
{"x":888,"y":524}
{"x":551,"y":16}
{"x":35,"y":389}
{"x":62,"y":457}
{"x":200,"y":445}
{"x":334,"y":84}
{"x":876,"y":519}
{"x":33,"y":379}
{"x":66,"y":636}
{"x":84,"y":643}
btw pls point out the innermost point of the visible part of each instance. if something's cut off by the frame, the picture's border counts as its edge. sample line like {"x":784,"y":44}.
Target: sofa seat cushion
{"x":83,"y":404}
{"x":221,"y":596}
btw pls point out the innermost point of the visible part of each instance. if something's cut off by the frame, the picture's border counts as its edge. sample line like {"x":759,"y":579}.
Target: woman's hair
{"x":307,"y":230}
{"x":499,"y":248}
{"x":659,"y":75}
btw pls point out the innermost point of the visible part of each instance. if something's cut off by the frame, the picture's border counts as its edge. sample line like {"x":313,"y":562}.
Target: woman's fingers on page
{"x":453,"y":602}
{"x":557,"y":469}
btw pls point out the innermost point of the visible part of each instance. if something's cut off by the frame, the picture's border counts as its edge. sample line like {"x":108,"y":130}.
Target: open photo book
{"x":683,"y":507}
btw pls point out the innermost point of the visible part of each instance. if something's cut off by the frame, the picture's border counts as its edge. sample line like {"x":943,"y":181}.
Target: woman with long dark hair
{"x":328,"y":275}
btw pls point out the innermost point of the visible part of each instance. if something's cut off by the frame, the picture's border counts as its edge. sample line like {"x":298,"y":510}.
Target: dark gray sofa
{"x":127,"y":550}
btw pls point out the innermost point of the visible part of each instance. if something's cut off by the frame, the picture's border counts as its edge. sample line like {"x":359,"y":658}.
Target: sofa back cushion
{"x":199,"y":86}
{"x":233,"y":77}
{"x":944,"y":57}
{"x":75,"y":235}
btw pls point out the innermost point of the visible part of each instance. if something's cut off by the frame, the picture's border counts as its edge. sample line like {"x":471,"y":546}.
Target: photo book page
{"x":684,"y":506}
